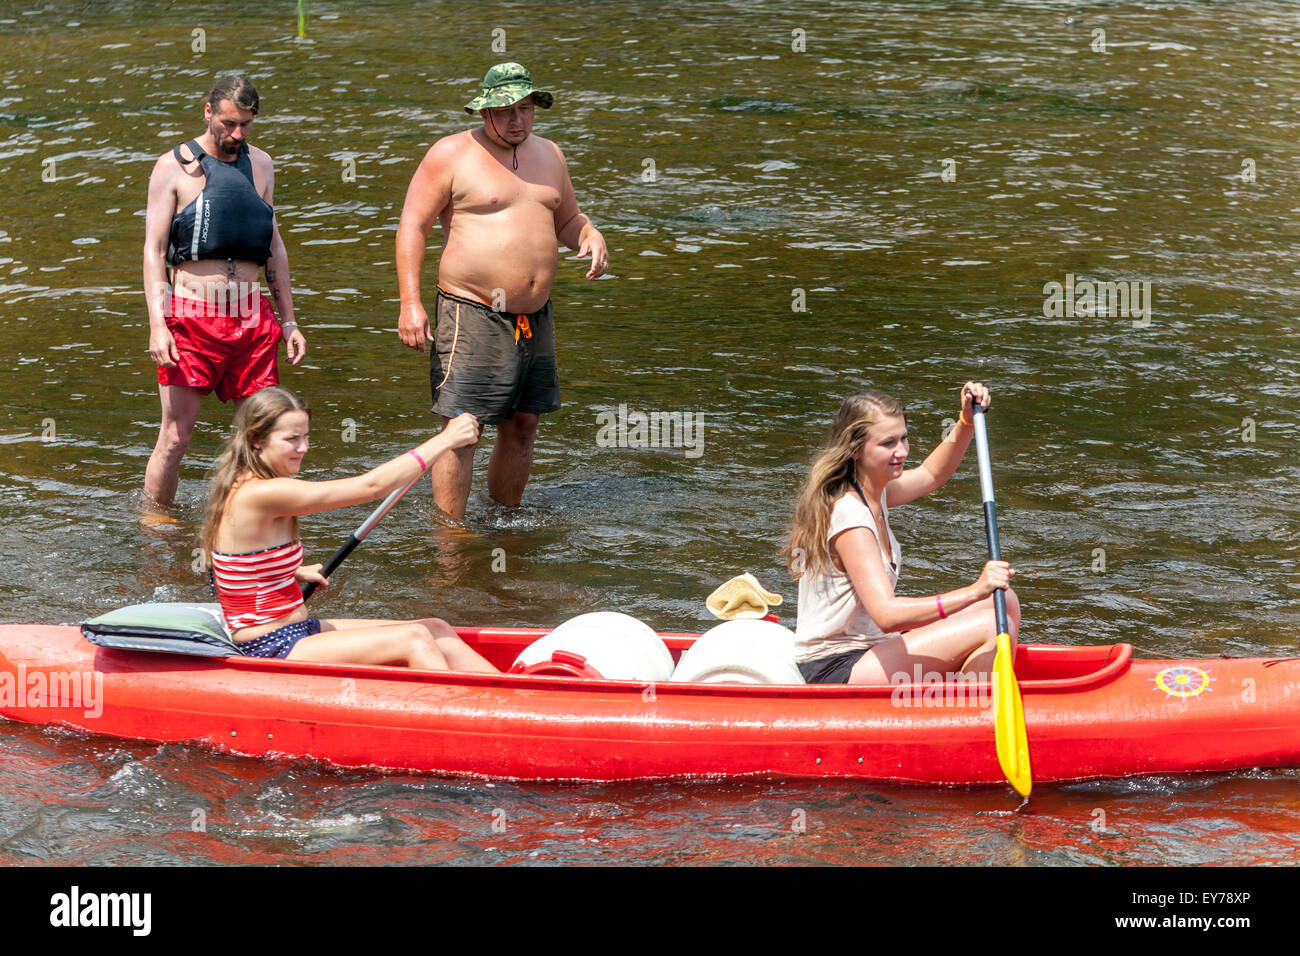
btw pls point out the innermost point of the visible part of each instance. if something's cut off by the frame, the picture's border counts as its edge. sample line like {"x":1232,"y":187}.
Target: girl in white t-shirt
{"x":852,"y":628}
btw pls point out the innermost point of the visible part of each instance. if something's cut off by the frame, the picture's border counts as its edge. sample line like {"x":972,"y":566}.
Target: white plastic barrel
{"x":615,"y":646}
{"x":741,"y":652}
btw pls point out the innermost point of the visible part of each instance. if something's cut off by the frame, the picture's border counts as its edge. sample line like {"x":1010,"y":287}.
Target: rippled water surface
{"x":912,"y":176}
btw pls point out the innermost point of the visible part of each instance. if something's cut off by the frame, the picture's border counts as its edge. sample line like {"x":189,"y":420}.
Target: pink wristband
{"x":939,"y":603}
{"x":423,"y":466}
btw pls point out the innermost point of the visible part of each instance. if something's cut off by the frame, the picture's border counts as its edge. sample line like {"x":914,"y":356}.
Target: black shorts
{"x":831,"y":670}
{"x":492,"y":363}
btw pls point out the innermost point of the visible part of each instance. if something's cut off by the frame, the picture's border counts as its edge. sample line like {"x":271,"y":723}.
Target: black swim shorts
{"x":834,"y":669}
{"x":492,"y":363}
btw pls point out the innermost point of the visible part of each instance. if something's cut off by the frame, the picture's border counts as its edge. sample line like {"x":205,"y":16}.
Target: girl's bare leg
{"x":962,"y":642}
{"x":410,"y":643}
{"x":458,"y":655}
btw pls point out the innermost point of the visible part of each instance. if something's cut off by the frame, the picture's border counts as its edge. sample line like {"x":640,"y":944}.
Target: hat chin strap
{"x":514,"y":156}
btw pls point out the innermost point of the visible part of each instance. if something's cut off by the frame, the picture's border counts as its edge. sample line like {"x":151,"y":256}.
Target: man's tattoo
{"x":273,"y":283}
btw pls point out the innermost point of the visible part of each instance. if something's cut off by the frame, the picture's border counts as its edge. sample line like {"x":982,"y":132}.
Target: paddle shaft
{"x":1008,"y":711}
{"x":360,"y":534}
{"x":990,"y":511}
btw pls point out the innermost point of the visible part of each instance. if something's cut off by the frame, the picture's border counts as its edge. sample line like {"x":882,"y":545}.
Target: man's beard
{"x":225,"y":144}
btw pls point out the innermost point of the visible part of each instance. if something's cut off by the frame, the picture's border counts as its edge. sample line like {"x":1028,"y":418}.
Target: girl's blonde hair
{"x":239,"y":457}
{"x":830,"y":476}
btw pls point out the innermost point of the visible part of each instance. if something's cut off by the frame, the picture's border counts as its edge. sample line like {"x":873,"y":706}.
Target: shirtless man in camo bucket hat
{"x":503,"y":197}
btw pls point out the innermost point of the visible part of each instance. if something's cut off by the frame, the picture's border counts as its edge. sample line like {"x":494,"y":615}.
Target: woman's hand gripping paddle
{"x":1008,"y":711}
{"x":360,"y":534}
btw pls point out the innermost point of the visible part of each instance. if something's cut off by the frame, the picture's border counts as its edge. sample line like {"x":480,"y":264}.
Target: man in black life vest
{"x":210,"y":224}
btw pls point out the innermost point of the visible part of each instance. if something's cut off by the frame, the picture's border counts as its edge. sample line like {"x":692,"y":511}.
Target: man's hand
{"x":162,"y":347}
{"x":592,"y":243}
{"x":295,"y":346}
{"x":413,"y":326}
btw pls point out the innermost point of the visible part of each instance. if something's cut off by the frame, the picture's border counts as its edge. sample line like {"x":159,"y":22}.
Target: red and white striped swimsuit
{"x":259,"y":586}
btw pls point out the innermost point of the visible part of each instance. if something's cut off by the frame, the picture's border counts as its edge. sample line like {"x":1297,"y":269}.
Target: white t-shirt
{"x":831,"y":618}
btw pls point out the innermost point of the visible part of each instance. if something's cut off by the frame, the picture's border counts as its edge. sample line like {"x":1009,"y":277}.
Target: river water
{"x":800,"y":200}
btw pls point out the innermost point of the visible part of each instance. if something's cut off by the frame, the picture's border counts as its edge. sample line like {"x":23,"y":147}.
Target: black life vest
{"x":228,"y":219}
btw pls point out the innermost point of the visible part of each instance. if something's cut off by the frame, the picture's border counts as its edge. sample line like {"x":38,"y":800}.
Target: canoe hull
{"x":1089,"y":712}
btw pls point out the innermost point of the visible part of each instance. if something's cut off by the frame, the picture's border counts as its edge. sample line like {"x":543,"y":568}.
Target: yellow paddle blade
{"x":1009,"y":721}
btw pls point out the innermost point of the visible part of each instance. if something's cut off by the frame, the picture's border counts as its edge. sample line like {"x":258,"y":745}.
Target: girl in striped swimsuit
{"x":250,"y":535}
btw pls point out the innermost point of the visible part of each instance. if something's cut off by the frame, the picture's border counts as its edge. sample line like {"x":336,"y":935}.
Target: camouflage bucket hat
{"x":506,"y":84}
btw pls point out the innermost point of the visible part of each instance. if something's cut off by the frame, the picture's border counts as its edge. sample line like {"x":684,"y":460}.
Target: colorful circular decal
{"x":1183,"y":681}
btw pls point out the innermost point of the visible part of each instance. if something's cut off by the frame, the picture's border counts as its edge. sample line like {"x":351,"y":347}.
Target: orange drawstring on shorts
{"x":522,"y":326}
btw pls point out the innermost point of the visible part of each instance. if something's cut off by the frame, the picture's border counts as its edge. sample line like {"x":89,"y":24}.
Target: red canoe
{"x":1090,"y":712}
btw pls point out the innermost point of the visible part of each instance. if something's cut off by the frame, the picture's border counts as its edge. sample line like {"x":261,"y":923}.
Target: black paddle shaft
{"x":995,"y":554}
{"x":360,"y":534}
{"x":335,"y":560}
{"x":990,"y":512}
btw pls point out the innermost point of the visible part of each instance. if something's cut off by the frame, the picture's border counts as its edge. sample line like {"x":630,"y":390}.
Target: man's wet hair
{"x":238,"y":89}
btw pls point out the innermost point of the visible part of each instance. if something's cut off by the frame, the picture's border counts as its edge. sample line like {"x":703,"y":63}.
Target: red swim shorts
{"x":232,"y":354}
